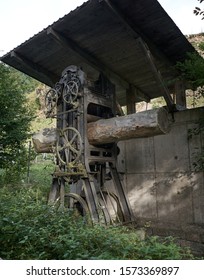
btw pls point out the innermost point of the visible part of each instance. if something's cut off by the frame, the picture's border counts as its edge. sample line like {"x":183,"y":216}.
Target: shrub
{"x":14,"y":122}
{"x":192,"y":69}
{"x":29,"y":229}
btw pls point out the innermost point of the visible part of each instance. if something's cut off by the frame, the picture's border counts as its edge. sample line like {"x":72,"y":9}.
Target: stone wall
{"x":165,"y":192}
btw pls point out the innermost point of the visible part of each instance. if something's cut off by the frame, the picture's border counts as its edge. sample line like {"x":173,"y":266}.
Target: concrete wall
{"x":160,"y":177}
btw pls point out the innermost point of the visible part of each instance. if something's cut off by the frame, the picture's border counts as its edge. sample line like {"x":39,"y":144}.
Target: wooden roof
{"x":133,"y":42}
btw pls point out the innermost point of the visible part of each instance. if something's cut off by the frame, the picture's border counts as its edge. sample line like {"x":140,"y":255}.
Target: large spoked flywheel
{"x":70,"y":92}
{"x":51,"y":99}
{"x":69,"y":146}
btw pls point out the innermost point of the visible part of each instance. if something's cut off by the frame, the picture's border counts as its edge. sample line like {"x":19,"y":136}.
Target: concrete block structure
{"x":165,"y":191}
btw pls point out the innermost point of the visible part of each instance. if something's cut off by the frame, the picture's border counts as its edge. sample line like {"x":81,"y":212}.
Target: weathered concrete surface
{"x":171,"y":152}
{"x":141,"y":157}
{"x":162,"y":184}
{"x":174,"y":198}
{"x":165,"y":163}
{"x":142,"y":197}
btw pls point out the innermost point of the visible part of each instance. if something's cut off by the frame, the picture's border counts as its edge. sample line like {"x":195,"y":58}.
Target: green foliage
{"x":29,"y":229}
{"x":15,"y":120}
{"x":198,"y":12}
{"x":22,"y":82}
{"x":198,"y":164}
{"x":40,"y":173}
{"x":201,"y":46}
{"x":192,"y":69}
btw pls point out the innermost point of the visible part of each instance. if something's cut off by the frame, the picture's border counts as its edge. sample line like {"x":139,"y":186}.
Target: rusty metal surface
{"x":104,"y":36}
{"x":82,"y":167}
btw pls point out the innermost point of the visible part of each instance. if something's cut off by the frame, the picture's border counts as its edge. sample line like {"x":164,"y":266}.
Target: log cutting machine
{"x":74,"y":101}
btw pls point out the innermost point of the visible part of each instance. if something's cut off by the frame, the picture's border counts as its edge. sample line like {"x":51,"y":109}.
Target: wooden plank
{"x":157,"y":74}
{"x":137,"y":35}
{"x":34,"y":67}
{"x":130,"y":100}
{"x":180,"y":93}
{"x":67,"y":43}
{"x":133,"y":30}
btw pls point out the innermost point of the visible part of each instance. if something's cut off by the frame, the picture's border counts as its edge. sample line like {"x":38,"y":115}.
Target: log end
{"x":44,"y":140}
{"x":163,"y":120}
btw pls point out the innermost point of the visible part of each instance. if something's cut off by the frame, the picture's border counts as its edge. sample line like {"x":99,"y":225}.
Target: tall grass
{"x":30,"y":229}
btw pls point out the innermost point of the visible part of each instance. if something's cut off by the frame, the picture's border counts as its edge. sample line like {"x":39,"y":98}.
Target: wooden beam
{"x":137,"y":35}
{"x":130,"y":100}
{"x":35,"y":68}
{"x":68,"y":43}
{"x":141,"y":95}
{"x":164,"y":90}
{"x":120,"y":16}
{"x":119,"y":109}
{"x":134,"y":31}
{"x":180,"y":93}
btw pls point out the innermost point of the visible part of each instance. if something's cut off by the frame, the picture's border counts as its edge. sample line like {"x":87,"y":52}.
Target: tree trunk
{"x":143,"y":124}
{"x":104,"y":131}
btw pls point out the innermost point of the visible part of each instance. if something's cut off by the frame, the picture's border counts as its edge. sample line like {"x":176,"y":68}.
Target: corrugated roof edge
{"x":44,"y":29}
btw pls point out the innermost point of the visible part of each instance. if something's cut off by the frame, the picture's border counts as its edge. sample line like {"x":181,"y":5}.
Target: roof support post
{"x":157,"y":75}
{"x":180,"y":93}
{"x":130,"y":100}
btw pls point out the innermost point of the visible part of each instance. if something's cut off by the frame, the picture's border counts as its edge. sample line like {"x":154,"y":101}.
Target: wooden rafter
{"x":157,"y":74}
{"x":68,"y":43}
{"x":138,"y":36}
{"x":34,"y":67}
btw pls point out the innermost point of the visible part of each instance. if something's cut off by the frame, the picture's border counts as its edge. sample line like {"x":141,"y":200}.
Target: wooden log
{"x":45,"y":140}
{"x":104,"y":131}
{"x":92,"y":118}
{"x":143,"y":124}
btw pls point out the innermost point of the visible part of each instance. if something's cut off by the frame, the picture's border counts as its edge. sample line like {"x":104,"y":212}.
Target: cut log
{"x":104,"y":131}
{"x":143,"y":124}
{"x":45,"y":140}
{"x":92,"y":118}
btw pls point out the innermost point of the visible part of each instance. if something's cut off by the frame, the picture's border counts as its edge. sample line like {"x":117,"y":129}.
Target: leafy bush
{"x":192,"y":69}
{"x":201,"y":46}
{"x":198,"y":164}
{"x":29,"y":229}
{"x":14,"y":122}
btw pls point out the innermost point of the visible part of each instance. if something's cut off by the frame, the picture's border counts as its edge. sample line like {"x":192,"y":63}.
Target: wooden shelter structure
{"x":132,"y":42}
{"x":127,"y":49}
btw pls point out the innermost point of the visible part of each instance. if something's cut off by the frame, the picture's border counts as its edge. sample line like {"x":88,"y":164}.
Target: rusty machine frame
{"x":85,"y":168}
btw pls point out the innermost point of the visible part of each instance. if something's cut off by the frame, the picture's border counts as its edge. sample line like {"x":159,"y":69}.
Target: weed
{"x":29,"y":229}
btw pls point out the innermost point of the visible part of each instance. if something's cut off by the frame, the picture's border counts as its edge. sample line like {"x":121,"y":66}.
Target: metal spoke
{"x":71,"y":150}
